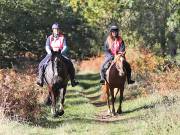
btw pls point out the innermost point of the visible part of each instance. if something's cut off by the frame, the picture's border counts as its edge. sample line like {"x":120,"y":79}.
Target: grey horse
{"x":56,"y":77}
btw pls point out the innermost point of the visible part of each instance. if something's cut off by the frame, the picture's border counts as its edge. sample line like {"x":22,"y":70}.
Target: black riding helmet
{"x":115,"y":29}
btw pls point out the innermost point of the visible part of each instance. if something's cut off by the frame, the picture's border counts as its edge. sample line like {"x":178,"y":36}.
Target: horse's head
{"x":119,"y":60}
{"x":55,"y":53}
{"x":58,"y":66}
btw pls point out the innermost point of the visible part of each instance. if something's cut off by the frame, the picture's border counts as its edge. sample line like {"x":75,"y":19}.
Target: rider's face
{"x":55,"y":31}
{"x":114,"y":33}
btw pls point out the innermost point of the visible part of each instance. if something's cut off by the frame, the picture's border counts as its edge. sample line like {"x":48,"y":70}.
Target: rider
{"x":114,"y":44}
{"x":56,"y":42}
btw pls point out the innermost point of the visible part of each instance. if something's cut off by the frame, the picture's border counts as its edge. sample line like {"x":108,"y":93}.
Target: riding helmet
{"x":114,"y":28}
{"x":55,"y":26}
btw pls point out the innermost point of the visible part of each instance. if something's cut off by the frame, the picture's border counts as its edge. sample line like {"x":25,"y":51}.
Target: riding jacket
{"x":56,"y":44}
{"x":117,"y":46}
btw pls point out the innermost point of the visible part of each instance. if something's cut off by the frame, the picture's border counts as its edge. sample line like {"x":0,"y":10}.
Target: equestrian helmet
{"x":114,"y":28}
{"x":55,"y":26}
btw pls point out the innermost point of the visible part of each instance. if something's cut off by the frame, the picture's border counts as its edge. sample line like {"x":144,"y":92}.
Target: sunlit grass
{"x":151,"y":115}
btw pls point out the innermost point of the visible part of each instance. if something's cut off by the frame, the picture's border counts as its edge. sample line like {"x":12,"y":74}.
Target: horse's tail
{"x":104,"y":92}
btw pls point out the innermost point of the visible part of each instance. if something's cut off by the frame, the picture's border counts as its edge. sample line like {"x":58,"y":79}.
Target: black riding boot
{"x":102,"y":74}
{"x":40,"y":77}
{"x":129,"y":78}
{"x":128,"y":70}
{"x":104,"y":68}
{"x":72,"y":78}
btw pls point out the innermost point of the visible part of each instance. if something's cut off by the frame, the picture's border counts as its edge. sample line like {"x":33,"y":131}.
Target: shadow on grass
{"x":87,"y":92}
{"x":86,"y":86}
{"x":90,"y":77}
{"x":99,"y":104}
{"x":139,"y":108}
{"x":77,"y":102}
{"x":57,"y":122}
{"x":90,"y":92}
{"x":93,"y":98}
{"x":72,"y":95}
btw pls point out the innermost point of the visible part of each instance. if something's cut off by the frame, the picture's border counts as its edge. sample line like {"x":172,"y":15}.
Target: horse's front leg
{"x":61,"y":101}
{"x":53,"y":107}
{"x":108,"y":103}
{"x":112,"y":100}
{"x":119,"y":111}
{"x":63,"y":96}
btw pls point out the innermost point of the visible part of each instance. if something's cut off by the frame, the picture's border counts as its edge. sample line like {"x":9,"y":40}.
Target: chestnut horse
{"x":115,"y":78}
{"x":56,"y":77}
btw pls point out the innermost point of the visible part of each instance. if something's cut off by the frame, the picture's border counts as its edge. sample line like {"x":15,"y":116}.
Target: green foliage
{"x":25,"y":23}
{"x":149,"y":20}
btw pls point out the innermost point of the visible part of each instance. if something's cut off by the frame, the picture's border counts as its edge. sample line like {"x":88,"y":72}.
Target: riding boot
{"x":71,"y":72}
{"x":128,"y":70}
{"x":103,"y":70}
{"x":72,"y":78}
{"x":40,"y":77}
{"x":102,"y":74}
{"x":129,"y":78}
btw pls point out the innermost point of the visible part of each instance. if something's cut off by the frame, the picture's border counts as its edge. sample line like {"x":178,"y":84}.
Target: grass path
{"x":86,"y":115}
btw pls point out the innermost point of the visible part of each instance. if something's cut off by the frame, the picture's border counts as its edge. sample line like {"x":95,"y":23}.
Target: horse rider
{"x":57,"y":43}
{"x":113,"y":45}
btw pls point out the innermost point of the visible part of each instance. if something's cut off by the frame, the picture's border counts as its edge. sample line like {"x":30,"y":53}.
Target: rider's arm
{"x":65,"y":48}
{"x":106,"y":48}
{"x":47,"y":47}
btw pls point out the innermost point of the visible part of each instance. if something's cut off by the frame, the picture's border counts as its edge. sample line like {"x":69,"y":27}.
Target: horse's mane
{"x":118,"y":60}
{"x":117,"y":57}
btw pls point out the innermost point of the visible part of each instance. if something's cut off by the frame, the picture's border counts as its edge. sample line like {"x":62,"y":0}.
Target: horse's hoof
{"x":113,"y":114}
{"x":60,"y":113}
{"x":108,"y":112}
{"x":55,"y":115}
{"x":119,"y":112}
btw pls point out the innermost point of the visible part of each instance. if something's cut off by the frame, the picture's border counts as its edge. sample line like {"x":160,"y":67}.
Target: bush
{"x":18,"y":98}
